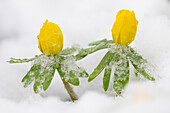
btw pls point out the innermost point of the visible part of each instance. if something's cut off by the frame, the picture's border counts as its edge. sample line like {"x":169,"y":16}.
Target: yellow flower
{"x":125,"y":27}
{"x":50,"y":39}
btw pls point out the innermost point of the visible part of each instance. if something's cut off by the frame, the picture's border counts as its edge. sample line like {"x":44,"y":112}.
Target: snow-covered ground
{"x":83,"y":21}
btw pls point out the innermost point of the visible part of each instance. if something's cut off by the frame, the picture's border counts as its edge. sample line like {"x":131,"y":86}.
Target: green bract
{"x":44,"y":67}
{"x":118,"y":59}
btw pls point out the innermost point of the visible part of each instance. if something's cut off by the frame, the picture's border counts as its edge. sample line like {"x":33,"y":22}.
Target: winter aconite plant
{"x":50,"y":42}
{"x":117,"y":59}
{"x":120,"y":55}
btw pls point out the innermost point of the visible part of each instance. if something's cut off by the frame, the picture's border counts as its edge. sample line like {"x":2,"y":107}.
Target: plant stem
{"x":69,"y":89}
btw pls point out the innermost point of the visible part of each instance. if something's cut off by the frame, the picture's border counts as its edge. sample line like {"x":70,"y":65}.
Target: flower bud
{"x":50,"y":39}
{"x":125,"y":27}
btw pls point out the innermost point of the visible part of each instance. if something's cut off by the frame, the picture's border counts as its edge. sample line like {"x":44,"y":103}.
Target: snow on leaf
{"x":69,"y":51}
{"x":69,"y":70}
{"x":41,"y":72}
{"x":25,"y":60}
{"x":71,"y":78}
{"x":140,"y":64}
{"x":30,"y":76}
{"x":121,"y":74}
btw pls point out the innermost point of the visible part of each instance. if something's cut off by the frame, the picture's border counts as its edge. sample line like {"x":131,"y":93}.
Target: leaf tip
{"x":153,"y":79}
{"x":89,"y":80}
{"x":105,"y":89}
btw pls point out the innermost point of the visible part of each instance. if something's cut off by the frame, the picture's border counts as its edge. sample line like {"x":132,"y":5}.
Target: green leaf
{"x":83,"y":73}
{"x":138,"y":62}
{"x":62,"y":73}
{"x":106,"y":60}
{"x":70,"y":71}
{"x":142,"y":72}
{"x":42,"y":75}
{"x":133,"y":55}
{"x":121,"y":75}
{"x":97,"y":42}
{"x":49,"y":74}
{"x":44,"y":78}
{"x":14,"y":60}
{"x":106,"y":78}
{"x":30,"y":76}
{"x":80,"y":72}
{"x":69,"y":51}
{"x":37,"y":87}
{"x":17,"y":60}
{"x":84,"y":52}
{"x":71,"y":78}
{"x":136,"y":72}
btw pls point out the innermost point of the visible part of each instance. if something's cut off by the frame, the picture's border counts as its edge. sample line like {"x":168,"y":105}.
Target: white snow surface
{"x":83,"y":21}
